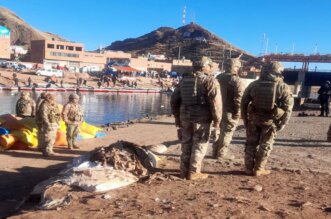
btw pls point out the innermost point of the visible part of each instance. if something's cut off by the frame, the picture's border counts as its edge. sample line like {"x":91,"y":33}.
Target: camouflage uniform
{"x":195,"y":103}
{"x":38,"y":119}
{"x":50,"y":117}
{"x":266,"y":108}
{"x":72,"y":115}
{"x":232,"y":91}
{"x":25,"y":106}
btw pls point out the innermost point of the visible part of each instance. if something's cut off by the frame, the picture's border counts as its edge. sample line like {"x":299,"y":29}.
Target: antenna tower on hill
{"x":184,"y":16}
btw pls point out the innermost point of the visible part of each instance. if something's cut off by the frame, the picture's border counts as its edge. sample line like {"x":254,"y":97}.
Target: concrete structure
{"x":4,"y":43}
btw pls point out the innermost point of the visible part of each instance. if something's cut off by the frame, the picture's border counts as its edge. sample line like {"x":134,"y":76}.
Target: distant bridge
{"x":305,"y":59}
{"x":302,"y":78}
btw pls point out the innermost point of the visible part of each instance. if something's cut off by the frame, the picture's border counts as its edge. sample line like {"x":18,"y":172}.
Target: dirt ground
{"x":299,"y":186}
{"x":70,"y":79}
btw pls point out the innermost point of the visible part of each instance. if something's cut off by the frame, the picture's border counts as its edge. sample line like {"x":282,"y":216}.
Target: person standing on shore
{"x":50,"y":119}
{"x":29,"y":82}
{"x":16,"y":81}
{"x":25,"y":106}
{"x":195,"y":103}
{"x":232,"y":90}
{"x":324,"y":98}
{"x":72,"y":116}
{"x":265,"y":109}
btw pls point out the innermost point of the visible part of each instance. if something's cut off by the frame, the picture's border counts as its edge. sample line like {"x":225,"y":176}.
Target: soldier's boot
{"x":261,"y":172}
{"x":76,"y":147}
{"x":183,"y":174}
{"x":223,"y":154}
{"x":322,"y":112}
{"x":249,"y":172}
{"x":184,"y":170}
{"x":196,"y":176}
{"x":259,"y":168}
{"x":249,"y":165}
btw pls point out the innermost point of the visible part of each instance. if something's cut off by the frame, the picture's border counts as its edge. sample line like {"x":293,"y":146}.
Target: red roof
{"x":125,"y":68}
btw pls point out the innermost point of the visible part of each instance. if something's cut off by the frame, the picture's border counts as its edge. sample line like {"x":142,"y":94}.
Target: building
{"x":57,"y":53}
{"x":71,"y":55}
{"x":4,"y":43}
{"x":144,"y":64}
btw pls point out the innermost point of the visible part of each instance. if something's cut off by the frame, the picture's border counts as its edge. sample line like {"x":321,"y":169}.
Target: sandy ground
{"x":299,"y":187}
{"x":70,"y":79}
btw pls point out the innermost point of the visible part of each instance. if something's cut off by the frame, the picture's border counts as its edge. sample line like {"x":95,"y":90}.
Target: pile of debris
{"x":125,"y":156}
{"x":101,"y":170}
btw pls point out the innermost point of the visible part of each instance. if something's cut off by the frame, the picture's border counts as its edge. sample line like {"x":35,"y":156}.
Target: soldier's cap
{"x":203,"y":61}
{"x":25,"y":94}
{"x":73,"y":96}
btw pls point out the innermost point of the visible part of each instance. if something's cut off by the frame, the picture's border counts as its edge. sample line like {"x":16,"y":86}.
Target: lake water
{"x":100,"y":108}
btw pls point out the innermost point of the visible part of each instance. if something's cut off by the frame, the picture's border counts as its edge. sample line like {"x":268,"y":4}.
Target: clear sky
{"x":304,"y":23}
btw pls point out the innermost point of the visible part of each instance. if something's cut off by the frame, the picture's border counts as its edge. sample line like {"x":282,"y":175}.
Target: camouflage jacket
{"x":72,"y":114}
{"x":232,"y":91}
{"x":283,"y":102}
{"x":49,"y":115}
{"x":25,"y":107}
{"x":208,"y":106}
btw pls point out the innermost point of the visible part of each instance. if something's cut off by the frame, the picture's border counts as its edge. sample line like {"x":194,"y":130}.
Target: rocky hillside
{"x":190,"y":41}
{"x":21,"y":32}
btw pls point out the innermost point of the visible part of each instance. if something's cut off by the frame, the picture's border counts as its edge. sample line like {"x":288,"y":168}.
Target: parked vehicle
{"x":50,"y":72}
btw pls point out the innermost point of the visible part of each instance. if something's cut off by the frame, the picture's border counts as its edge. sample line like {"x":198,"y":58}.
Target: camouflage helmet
{"x":25,"y":94}
{"x":276,"y":67}
{"x":73,"y":96}
{"x":43,"y":95}
{"x":203,"y":61}
{"x":49,"y":96}
{"x":232,"y":63}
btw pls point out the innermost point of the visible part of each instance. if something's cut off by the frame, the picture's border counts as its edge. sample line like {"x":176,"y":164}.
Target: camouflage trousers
{"x":49,"y":137}
{"x":259,"y":143}
{"x":72,"y":132}
{"x":195,"y":139}
{"x":227,"y":128}
{"x":40,"y":137}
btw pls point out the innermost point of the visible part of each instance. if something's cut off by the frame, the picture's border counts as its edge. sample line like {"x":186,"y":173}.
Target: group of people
{"x":47,"y":115}
{"x":200,"y":100}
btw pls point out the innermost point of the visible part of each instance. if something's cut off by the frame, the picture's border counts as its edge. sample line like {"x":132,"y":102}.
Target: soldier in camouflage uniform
{"x":266,"y":108}
{"x":50,"y":119}
{"x":25,"y":106}
{"x":40,"y":100}
{"x":195,"y":103}
{"x":232,"y":90}
{"x":72,"y":115}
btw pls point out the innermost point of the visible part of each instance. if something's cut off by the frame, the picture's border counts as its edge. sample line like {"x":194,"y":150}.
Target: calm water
{"x":102,"y":108}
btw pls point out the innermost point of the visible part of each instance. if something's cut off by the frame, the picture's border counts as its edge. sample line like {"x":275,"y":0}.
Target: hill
{"x":190,"y":41}
{"x":21,"y":32}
